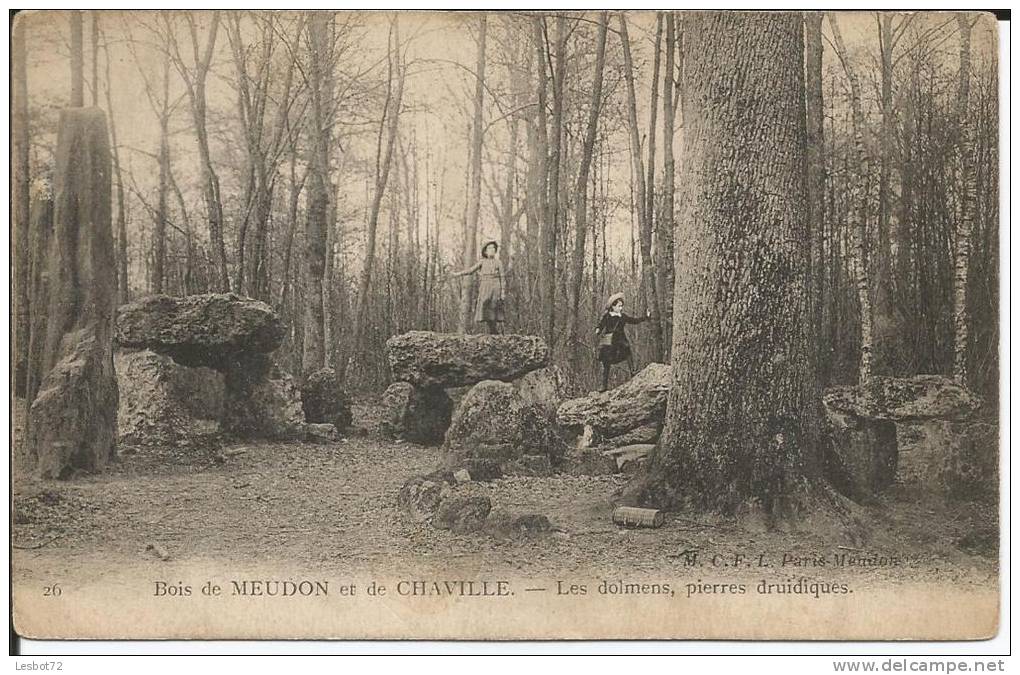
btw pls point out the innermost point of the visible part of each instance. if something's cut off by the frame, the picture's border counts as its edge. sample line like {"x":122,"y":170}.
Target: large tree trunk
{"x":20,"y":206}
{"x":961,"y":258}
{"x":468,"y":251}
{"x":581,"y":188}
{"x":73,"y":421}
{"x":816,"y":188}
{"x":638,"y":176}
{"x":743,"y":413}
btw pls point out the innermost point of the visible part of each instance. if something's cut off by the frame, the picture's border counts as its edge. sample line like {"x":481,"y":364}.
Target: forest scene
{"x":513,"y":294}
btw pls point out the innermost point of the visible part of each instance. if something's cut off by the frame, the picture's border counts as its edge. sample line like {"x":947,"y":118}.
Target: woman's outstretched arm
{"x":471,"y":270}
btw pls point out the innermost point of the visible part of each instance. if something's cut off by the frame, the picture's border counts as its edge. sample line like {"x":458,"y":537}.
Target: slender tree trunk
{"x":318,"y":193}
{"x":551,"y":222}
{"x":581,"y":188}
{"x":384,"y":163}
{"x":644,"y":218}
{"x":664,"y":247}
{"x":21,"y":205}
{"x":469,"y":252}
{"x":743,"y":413}
{"x":159,"y":229}
{"x":649,"y":196}
{"x":858,"y":200}
{"x":196,"y":87}
{"x":966,"y":223}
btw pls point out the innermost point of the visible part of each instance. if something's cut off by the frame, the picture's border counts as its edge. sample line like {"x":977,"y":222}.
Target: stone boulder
{"x":325,"y":401}
{"x":211,"y":330}
{"x":419,"y":415}
{"x":263,"y":401}
{"x":494,"y":421}
{"x":427,"y":359}
{"x":904,"y":399}
{"x":861,"y":457}
{"x":959,"y":460}
{"x":544,"y":387}
{"x":163,"y":402}
{"x":462,"y":509}
{"x":420,"y":496}
{"x":72,"y":421}
{"x":639,"y":402}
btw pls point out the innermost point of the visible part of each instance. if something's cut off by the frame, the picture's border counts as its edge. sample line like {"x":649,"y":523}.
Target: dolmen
{"x":202,"y":364}
{"x":503,"y":424}
{"x":506,"y":415}
{"x":922,"y":430}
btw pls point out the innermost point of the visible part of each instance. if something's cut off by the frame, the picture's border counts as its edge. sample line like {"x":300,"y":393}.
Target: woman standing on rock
{"x":489,"y":308}
{"x":613,"y":344}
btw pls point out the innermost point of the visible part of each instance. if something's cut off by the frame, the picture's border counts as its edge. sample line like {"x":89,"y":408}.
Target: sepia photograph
{"x":505,"y":325}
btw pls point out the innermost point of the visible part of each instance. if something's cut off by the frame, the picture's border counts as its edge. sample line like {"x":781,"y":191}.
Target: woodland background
{"x":340,"y":165}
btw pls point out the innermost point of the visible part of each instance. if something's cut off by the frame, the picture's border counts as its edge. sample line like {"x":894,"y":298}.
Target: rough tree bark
{"x":469,"y":253}
{"x":73,"y":420}
{"x":20,"y":206}
{"x":743,"y":416}
{"x":581,"y":188}
{"x":816,"y":185}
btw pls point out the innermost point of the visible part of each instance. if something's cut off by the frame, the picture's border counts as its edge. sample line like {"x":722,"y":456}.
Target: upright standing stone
{"x":73,"y":420}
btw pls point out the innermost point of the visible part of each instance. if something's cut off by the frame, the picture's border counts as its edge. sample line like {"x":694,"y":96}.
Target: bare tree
{"x":966,"y":223}
{"x":194,"y":73}
{"x":581,"y":188}
{"x":474,"y":197}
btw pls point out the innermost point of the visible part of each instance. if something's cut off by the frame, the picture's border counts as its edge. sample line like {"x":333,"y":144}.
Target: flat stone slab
{"x":207,"y":330}
{"x":428,"y":359}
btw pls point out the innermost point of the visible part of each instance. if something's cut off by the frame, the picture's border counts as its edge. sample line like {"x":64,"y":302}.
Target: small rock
{"x":482,"y":469}
{"x":160,"y":552}
{"x":420,"y":497}
{"x":462,"y":476}
{"x":463,"y":509}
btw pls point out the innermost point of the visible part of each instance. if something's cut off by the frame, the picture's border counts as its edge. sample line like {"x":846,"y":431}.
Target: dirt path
{"x":333,"y":507}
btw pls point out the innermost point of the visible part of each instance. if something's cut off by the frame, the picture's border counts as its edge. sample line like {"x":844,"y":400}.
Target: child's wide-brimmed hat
{"x":486,"y":245}
{"x":612,"y":299}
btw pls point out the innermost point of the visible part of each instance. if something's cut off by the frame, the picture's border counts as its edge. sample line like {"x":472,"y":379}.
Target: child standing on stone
{"x":613,"y":344}
{"x":489,"y":308}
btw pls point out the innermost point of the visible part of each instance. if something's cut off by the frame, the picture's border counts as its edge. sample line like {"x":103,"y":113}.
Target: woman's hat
{"x":486,"y":245}
{"x":612,"y":299}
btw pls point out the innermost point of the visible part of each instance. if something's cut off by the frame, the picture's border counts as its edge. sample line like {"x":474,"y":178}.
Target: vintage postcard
{"x":505,"y":325}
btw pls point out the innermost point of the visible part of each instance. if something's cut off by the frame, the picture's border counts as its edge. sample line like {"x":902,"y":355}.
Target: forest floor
{"x":333,"y":506}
